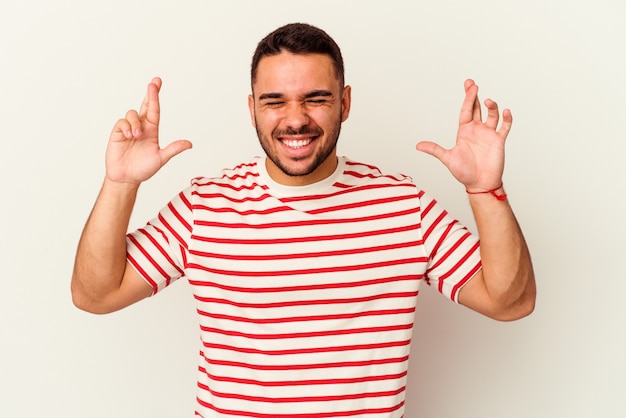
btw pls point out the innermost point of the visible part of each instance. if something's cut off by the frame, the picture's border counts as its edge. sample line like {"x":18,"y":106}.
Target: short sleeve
{"x":158,"y":251}
{"x":453,"y":251}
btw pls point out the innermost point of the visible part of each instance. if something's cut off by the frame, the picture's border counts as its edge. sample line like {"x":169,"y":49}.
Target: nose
{"x":296,"y":116}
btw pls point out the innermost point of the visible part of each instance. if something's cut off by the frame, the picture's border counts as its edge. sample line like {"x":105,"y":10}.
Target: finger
{"x":157,"y":82}
{"x":134,"y":124}
{"x":507,"y":123}
{"x":477,"y":110}
{"x":432,"y":148}
{"x":144,"y":104}
{"x":174,"y":149}
{"x":146,"y":100}
{"x":493,"y":114}
{"x":123,"y":128}
{"x":469,"y":107}
{"x":153,"y":110}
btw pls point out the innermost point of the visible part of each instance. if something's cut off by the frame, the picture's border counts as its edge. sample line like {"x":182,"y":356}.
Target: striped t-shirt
{"x":305,"y":295}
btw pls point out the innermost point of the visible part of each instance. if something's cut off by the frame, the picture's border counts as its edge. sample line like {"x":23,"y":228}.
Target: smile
{"x":296,"y":143}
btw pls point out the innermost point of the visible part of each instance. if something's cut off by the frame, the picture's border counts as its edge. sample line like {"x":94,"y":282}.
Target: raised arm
{"x":504,"y":288}
{"x":102,"y":280}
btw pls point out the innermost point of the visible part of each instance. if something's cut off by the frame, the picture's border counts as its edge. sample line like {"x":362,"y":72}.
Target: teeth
{"x":296,"y":143}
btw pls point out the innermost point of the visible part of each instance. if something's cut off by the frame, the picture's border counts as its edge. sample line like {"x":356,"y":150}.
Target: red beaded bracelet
{"x":491,"y":192}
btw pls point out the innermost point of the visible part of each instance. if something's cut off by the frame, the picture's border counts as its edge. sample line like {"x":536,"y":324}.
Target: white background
{"x":69,"y":69}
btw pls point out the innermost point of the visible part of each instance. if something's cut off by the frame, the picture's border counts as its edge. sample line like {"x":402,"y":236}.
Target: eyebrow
{"x":318,"y":93}
{"x":314,"y":93}
{"x":266,"y":96}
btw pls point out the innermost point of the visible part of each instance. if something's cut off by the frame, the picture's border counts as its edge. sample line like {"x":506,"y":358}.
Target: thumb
{"x":174,"y":149}
{"x":431,"y":148}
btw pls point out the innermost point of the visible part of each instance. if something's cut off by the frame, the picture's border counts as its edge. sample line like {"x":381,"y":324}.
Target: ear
{"x":251,"y":109}
{"x":346,"y":101}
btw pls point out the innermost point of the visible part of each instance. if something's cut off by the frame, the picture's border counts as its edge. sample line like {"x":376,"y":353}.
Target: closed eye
{"x":271,"y":99}
{"x":317,"y":101}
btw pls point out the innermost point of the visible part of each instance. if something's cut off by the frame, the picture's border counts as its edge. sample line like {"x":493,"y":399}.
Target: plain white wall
{"x":70,"y":68}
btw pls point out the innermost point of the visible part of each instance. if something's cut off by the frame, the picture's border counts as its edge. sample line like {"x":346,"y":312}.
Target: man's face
{"x":297,"y":107}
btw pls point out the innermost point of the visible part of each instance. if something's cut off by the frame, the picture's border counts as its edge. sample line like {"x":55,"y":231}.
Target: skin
{"x":504,"y":289}
{"x":297,"y":108}
{"x":102,"y":280}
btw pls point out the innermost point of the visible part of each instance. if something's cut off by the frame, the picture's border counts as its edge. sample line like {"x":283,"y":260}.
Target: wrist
{"x":497,"y":192}
{"x":120,"y":186}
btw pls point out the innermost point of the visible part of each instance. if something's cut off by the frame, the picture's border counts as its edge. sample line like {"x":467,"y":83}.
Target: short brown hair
{"x":298,"y":38}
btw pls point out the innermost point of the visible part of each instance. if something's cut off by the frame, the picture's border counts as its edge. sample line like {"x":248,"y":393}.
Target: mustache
{"x":305,"y":130}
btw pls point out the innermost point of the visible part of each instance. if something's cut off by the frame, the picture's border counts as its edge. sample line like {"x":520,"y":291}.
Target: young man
{"x":304,"y":266}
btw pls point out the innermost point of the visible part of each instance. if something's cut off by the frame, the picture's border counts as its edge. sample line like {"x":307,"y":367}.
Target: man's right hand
{"x":103,"y":280}
{"x":133,"y":153}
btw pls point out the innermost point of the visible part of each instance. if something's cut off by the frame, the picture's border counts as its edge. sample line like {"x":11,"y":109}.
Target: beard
{"x":321,"y":155}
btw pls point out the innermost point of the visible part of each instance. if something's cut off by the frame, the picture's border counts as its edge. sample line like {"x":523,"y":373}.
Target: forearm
{"x":507,"y":270}
{"x":101,"y":255}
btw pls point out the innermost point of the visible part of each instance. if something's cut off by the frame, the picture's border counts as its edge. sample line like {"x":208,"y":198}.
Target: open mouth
{"x":296,"y":143}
